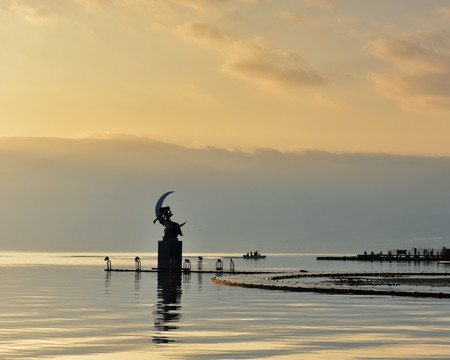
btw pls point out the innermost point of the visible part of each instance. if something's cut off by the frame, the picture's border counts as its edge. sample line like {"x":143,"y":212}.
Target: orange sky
{"x":342,"y":75}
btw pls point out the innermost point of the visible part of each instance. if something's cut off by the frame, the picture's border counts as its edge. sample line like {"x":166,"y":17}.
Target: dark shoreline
{"x":383,"y":257}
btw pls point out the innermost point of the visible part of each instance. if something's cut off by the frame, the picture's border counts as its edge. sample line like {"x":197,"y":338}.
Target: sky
{"x":282,"y":125}
{"x":333,"y":75}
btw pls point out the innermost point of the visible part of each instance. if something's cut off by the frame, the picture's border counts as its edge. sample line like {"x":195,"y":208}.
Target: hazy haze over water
{"x":99,"y":195}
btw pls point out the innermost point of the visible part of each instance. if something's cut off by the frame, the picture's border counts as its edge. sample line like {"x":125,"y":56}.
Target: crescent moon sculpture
{"x":163,"y":216}
{"x":161,"y":201}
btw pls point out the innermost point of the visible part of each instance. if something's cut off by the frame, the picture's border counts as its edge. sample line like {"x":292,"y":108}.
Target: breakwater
{"x":404,"y":284}
{"x":399,"y":255}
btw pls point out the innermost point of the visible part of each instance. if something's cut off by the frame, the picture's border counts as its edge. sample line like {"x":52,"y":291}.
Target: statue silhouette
{"x":163,"y":216}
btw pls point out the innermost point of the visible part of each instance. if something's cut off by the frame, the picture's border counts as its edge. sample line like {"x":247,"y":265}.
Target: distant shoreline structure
{"x":400,"y":255}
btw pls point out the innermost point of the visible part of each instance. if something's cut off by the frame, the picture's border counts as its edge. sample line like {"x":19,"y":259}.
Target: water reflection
{"x":67,"y":313}
{"x":168,"y":306}
{"x":137,"y":283}
{"x":107,"y":281}
{"x":186,"y":277}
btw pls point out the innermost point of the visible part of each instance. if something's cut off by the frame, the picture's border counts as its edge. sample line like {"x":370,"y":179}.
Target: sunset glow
{"x":334,"y":75}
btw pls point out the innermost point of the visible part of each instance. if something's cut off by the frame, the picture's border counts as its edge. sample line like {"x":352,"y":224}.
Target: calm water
{"x":64,"y":306}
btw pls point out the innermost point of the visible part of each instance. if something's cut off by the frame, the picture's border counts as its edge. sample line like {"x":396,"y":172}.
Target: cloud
{"x":33,"y":13}
{"x":255,"y":60}
{"x":92,"y":193}
{"x":419,"y":75}
{"x":261,"y":61}
{"x":204,"y":32}
{"x":413,"y":55}
{"x":294,"y":17}
{"x":90,"y":3}
{"x":434,"y":37}
{"x":201,"y":5}
{"x":324,"y":4}
{"x":445,"y":12}
{"x":330,"y":103}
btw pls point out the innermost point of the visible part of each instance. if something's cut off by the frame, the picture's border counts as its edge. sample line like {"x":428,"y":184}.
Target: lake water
{"x":64,"y":306}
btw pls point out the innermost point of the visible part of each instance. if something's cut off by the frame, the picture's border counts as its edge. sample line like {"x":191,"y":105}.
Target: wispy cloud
{"x":32,"y":12}
{"x":444,"y":11}
{"x":92,"y":3}
{"x":419,"y":76}
{"x":204,"y":32}
{"x":412,"y":55}
{"x":263,"y":62}
{"x":330,"y":103}
{"x":324,"y":4}
{"x":434,"y":37}
{"x":256,"y":60}
{"x":293,"y":17}
{"x":200,"y":5}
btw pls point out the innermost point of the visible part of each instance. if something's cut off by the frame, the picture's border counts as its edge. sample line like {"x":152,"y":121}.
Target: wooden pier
{"x":184,"y":271}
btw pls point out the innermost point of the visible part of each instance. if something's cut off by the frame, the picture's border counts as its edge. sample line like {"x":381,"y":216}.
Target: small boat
{"x":254,"y":256}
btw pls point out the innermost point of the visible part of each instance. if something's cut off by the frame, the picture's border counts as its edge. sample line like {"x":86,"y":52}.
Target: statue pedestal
{"x":170,"y":254}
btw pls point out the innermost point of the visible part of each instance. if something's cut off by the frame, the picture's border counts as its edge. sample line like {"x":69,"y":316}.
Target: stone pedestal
{"x":170,"y":254}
